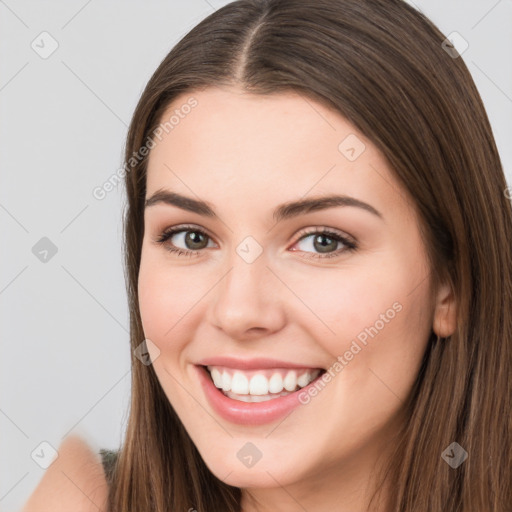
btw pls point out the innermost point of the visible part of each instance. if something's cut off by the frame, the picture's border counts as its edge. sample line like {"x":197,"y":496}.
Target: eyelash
{"x":349,"y":245}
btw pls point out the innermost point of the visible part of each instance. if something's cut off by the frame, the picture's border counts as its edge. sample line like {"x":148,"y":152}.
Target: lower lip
{"x":249,"y":413}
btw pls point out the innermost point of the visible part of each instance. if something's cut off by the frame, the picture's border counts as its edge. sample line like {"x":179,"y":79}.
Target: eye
{"x":325,"y":241}
{"x":193,"y":238}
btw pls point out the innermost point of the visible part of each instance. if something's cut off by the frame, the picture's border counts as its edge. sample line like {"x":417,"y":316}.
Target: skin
{"x":246,"y":154}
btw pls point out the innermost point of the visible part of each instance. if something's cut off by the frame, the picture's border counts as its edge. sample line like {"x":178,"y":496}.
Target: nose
{"x":247,"y":301}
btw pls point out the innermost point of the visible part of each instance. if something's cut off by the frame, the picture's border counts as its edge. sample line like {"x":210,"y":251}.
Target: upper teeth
{"x":261,"y":382}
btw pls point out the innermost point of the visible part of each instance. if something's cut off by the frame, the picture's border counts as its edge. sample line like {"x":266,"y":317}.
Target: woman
{"x":319,"y":261}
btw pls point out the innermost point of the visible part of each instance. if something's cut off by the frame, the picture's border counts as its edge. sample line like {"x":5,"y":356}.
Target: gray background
{"x":65,"y":356}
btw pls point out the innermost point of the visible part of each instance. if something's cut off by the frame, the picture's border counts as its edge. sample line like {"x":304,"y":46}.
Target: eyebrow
{"x":282,"y":212}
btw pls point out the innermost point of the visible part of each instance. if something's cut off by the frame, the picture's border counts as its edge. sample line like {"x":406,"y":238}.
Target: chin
{"x":238,"y":462}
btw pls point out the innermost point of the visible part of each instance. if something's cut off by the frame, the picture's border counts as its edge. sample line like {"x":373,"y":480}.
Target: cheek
{"x":172,"y":303}
{"x":343,"y":301}
{"x":164,"y":299}
{"x":374,"y":316}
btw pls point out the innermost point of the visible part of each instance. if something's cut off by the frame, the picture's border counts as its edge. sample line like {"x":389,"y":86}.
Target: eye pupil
{"x":322,"y":247}
{"x":193,"y":237}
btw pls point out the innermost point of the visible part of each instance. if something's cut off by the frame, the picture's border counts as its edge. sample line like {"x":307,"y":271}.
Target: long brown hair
{"x":382,"y":66}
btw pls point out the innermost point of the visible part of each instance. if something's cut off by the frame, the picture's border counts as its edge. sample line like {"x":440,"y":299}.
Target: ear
{"x":445,"y":314}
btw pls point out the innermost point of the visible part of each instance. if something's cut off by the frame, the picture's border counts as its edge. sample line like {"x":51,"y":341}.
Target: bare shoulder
{"x":74,"y":481}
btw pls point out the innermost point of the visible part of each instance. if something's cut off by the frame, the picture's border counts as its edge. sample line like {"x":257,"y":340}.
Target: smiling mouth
{"x":261,"y":385}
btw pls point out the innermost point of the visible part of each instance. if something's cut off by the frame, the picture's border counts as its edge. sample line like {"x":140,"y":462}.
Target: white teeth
{"x":239,"y":384}
{"x":303,"y":380}
{"x":217,"y":377}
{"x":254,"y":398}
{"x":226,"y":381}
{"x":275,"y":384}
{"x":258,"y":385}
{"x":290,"y":381}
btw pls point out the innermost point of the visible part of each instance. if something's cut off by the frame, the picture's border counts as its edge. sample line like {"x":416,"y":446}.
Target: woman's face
{"x":266,"y":302}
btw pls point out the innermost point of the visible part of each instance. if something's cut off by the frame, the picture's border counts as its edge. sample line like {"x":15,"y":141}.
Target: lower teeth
{"x":254,"y":398}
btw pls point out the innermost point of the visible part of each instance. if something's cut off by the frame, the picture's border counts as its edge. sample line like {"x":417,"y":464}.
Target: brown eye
{"x":184,"y":240}
{"x":195,"y":240}
{"x":325,"y":243}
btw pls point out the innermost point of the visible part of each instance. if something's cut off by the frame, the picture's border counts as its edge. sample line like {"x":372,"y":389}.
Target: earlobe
{"x":445,"y":315}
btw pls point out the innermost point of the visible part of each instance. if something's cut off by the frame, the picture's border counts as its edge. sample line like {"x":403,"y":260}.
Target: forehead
{"x":230,"y":122}
{"x":234,"y":146}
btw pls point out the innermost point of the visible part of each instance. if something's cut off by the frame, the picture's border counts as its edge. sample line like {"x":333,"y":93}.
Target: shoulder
{"x":74,"y":481}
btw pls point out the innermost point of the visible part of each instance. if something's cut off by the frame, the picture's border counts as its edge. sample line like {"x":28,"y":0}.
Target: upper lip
{"x":251,"y":364}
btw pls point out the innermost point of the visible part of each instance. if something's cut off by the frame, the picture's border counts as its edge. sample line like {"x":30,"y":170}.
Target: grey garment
{"x":108,"y":459}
